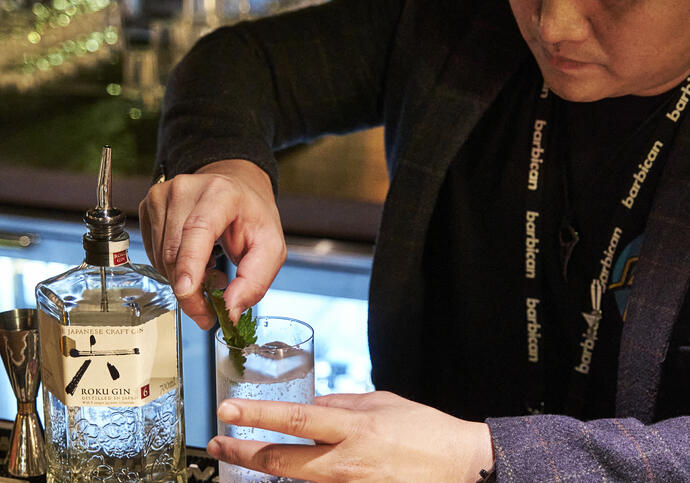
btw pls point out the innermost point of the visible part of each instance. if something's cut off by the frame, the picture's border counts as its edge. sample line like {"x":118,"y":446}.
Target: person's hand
{"x":359,"y":437}
{"x":231,"y":201}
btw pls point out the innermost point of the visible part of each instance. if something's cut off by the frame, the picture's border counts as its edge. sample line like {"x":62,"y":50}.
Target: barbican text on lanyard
{"x":533,"y":277}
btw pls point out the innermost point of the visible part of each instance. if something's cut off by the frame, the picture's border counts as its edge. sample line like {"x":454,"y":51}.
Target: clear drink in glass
{"x":279,"y":367}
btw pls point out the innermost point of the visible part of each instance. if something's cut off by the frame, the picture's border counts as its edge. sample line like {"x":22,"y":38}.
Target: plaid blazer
{"x":428,"y":71}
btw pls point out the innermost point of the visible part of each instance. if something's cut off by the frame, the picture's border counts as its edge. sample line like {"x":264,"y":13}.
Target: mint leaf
{"x":238,"y":336}
{"x":246,"y":327}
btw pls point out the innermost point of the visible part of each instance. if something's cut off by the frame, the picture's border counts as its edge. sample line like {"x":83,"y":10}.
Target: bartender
{"x":529,"y":317}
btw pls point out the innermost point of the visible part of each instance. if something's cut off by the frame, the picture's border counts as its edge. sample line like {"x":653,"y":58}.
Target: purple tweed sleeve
{"x":558,"y":448}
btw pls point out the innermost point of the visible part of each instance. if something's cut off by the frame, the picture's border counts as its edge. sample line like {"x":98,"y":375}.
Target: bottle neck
{"x":106,"y":253}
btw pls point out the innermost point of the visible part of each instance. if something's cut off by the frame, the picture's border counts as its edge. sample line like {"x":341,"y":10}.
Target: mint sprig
{"x":238,"y":336}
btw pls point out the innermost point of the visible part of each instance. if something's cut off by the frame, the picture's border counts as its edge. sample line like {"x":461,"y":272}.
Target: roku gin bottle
{"x":111,"y":361}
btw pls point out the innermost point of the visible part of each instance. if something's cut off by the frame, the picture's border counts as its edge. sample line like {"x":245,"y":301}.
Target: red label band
{"x":120,"y":257}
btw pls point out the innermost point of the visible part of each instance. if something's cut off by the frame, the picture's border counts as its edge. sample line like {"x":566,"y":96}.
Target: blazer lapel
{"x":462,"y":89}
{"x":662,"y":276}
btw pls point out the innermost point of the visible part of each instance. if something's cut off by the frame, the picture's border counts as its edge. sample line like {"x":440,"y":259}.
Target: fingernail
{"x":227,"y":411}
{"x":213,"y":448}
{"x":183,"y":285}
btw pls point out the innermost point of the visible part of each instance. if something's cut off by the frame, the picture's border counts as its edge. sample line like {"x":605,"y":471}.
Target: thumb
{"x":255,"y":273}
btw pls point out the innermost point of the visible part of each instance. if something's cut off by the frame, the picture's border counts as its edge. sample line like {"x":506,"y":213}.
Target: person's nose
{"x":562,"y":21}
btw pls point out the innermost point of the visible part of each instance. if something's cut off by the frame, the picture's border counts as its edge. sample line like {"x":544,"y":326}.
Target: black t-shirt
{"x":474,"y":259}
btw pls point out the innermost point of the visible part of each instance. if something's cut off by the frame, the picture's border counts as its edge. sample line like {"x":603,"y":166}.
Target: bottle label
{"x":119,"y":258}
{"x":117,"y":253}
{"x":106,"y":253}
{"x":104,"y":365}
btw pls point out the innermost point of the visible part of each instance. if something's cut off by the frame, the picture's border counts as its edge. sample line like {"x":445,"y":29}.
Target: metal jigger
{"x":21,"y":354}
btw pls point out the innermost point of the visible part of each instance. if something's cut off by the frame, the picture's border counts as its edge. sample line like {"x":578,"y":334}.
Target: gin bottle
{"x":111,"y":370}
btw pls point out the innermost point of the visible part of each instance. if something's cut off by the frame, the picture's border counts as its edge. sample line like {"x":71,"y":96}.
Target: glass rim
{"x":219,"y":332}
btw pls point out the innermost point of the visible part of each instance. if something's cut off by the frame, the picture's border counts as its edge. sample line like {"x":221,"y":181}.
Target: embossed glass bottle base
{"x":123,"y":444}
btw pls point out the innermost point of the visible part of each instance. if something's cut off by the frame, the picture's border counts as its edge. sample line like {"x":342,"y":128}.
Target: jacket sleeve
{"x":246,"y":90}
{"x":559,"y":448}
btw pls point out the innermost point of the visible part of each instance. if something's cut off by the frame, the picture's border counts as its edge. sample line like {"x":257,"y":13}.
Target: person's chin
{"x":575,"y":81}
{"x":576,"y":93}
{"x":576,"y":89}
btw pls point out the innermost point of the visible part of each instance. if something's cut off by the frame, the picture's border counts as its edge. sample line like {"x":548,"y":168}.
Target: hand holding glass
{"x":279,"y":367}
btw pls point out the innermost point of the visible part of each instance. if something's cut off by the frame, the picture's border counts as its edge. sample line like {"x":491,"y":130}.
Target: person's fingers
{"x":255,"y":273}
{"x":342,"y":400}
{"x":181,"y":199}
{"x":184,"y":218}
{"x":304,"y":462}
{"x":201,"y":228}
{"x":155,"y":210}
{"x":327,"y":425}
{"x":196,"y":306}
{"x":145,"y":228}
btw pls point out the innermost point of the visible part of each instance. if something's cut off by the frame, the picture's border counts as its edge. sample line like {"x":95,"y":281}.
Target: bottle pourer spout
{"x":105,"y":222}
{"x":104,"y":195}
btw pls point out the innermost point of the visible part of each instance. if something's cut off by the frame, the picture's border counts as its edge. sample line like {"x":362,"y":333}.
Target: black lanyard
{"x":623,"y":214}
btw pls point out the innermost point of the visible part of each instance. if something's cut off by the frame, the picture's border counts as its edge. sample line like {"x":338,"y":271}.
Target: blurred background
{"x":78,"y":74}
